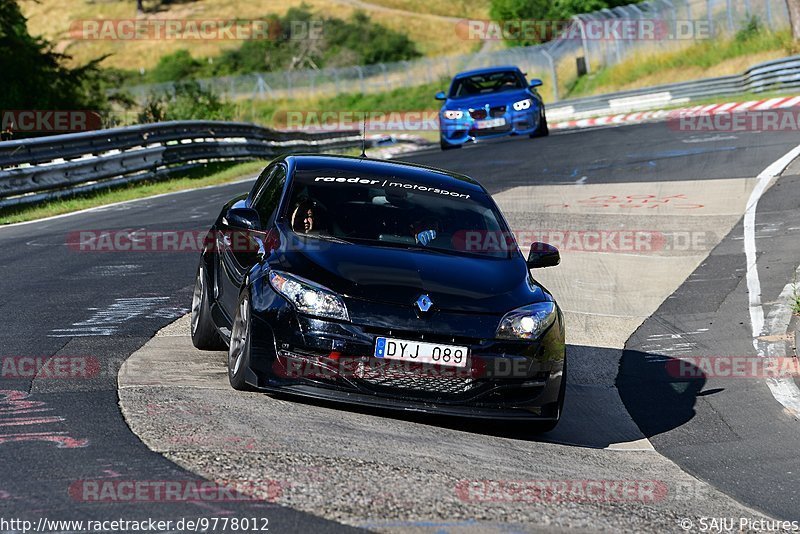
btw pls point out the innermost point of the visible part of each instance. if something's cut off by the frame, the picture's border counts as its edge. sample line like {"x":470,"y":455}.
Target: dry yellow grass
{"x":735,"y":65}
{"x":52,"y":19}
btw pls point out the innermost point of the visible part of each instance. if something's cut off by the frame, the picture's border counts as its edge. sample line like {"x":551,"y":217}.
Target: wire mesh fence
{"x":586,"y":43}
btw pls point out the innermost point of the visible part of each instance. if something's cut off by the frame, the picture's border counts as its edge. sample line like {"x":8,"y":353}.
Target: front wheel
{"x":542,"y":130}
{"x":204,"y":333}
{"x":239,"y":351}
{"x":447,"y":146}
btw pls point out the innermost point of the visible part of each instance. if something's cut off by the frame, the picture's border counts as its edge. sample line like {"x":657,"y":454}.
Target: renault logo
{"x":424,"y":303}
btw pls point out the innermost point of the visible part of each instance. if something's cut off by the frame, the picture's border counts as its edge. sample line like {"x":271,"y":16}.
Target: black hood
{"x":394,"y":275}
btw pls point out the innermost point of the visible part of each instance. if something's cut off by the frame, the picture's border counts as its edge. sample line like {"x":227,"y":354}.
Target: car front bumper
{"x":460,"y":131}
{"x":332,"y":360}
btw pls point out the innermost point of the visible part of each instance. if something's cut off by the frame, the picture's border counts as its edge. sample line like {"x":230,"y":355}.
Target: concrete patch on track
{"x":395,"y":473}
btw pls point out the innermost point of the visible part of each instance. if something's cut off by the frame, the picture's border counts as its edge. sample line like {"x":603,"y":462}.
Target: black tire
{"x":542,"y":130}
{"x":239,"y":350}
{"x":204,"y":333}
{"x":448,"y":146}
{"x":547,"y":426}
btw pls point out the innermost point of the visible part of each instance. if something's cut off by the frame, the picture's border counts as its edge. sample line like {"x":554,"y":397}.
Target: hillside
{"x":429,"y":24}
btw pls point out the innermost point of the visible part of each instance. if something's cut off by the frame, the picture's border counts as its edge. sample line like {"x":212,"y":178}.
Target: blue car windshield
{"x":492,"y":82}
{"x":394,"y":211}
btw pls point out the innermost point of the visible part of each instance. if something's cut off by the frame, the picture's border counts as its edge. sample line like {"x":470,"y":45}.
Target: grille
{"x":423,"y":379}
{"x":498,"y":111}
{"x":479,"y":113}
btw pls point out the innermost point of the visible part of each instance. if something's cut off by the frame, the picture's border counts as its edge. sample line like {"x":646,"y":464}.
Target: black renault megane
{"x":381,"y":284}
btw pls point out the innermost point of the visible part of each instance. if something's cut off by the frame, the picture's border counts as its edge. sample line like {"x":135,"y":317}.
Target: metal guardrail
{"x":779,"y":74}
{"x":34,"y":170}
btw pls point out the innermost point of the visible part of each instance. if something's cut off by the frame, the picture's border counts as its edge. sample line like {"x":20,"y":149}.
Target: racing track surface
{"x":370,"y":469}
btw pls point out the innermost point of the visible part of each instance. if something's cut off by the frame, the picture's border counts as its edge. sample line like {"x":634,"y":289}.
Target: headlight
{"x":522,"y":104}
{"x":527,"y":322}
{"x":453,"y":114}
{"x":308,"y":297}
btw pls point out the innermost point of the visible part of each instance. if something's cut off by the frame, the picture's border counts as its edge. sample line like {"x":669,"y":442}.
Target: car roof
{"x":419,"y":173}
{"x":486,"y":70}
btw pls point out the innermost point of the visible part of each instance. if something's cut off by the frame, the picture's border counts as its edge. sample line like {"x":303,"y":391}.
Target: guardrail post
{"x":553,"y":74}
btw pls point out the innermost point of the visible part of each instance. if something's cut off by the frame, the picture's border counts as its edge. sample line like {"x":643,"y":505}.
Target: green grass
{"x":795,"y":299}
{"x":211,"y":174}
{"x":674,"y":66}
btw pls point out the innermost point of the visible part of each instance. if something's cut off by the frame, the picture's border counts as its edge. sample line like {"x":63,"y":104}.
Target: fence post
{"x":710,"y":10}
{"x":729,"y":8}
{"x":360,"y":79}
{"x":553,"y":74}
{"x":288,"y":84}
{"x":385,"y":77}
{"x":770,"y":23}
{"x":577,"y":18}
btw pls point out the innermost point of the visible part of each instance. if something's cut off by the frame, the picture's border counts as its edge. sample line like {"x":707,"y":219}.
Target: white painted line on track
{"x":784,"y":390}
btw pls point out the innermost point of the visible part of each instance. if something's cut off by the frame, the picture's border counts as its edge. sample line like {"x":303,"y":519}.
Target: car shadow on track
{"x":659,"y":392}
{"x":594,"y":414}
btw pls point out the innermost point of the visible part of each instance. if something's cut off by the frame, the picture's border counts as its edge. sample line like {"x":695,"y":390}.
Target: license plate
{"x":490,"y":123}
{"x":417,"y":351}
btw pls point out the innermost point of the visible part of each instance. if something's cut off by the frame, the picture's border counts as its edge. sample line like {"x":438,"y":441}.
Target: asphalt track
{"x":107,"y":305}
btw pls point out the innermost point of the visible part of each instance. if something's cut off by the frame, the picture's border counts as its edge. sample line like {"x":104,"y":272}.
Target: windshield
{"x":487,"y":83}
{"x":391,"y":211}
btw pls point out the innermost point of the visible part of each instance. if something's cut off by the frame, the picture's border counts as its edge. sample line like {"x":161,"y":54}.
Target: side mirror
{"x":536,"y":82}
{"x":543,"y":255}
{"x":242,"y":219}
{"x":440,"y":96}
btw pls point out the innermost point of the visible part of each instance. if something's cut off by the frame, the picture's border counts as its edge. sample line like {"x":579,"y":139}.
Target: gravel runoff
{"x":392,"y":473}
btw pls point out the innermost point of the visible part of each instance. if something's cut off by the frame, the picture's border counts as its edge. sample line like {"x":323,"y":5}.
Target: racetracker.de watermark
{"x":556,"y":491}
{"x":49,"y":367}
{"x":536,"y":30}
{"x":173,"y":491}
{"x":772,"y":120}
{"x":49,"y":121}
{"x":733,"y":367}
{"x":574,"y":240}
{"x":195,"y":30}
{"x":375,"y":121}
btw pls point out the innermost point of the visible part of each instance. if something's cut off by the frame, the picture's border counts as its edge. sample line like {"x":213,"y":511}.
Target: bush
{"x":188,"y":101}
{"x":176,"y":66}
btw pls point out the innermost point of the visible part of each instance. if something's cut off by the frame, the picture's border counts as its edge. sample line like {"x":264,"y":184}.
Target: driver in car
{"x":307,"y":218}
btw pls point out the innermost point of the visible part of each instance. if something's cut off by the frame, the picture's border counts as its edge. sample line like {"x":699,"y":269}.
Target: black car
{"x":381,"y":284}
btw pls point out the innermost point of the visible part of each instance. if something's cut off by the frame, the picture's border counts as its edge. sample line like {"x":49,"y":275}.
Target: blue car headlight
{"x":523,"y":104}
{"x":527,"y":322}
{"x":453,"y":114}
{"x":308,"y":297}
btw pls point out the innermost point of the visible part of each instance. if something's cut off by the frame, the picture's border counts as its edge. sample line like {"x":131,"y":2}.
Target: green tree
{"x":34,"y":76}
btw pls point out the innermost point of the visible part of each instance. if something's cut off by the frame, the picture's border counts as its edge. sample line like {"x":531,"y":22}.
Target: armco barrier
{"x":33,"y":170}
{"x":780,"y":74}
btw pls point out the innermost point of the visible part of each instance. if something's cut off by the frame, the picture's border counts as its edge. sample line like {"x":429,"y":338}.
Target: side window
{"x":266,"y":202}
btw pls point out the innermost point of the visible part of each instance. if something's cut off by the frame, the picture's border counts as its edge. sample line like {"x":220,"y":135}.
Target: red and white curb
{"x":647,"y":116}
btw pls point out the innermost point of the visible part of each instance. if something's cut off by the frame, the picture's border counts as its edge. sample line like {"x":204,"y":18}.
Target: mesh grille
{"x":424,"y":379}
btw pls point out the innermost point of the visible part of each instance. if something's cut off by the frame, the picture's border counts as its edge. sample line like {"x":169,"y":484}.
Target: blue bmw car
{"x":490,"y":102}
